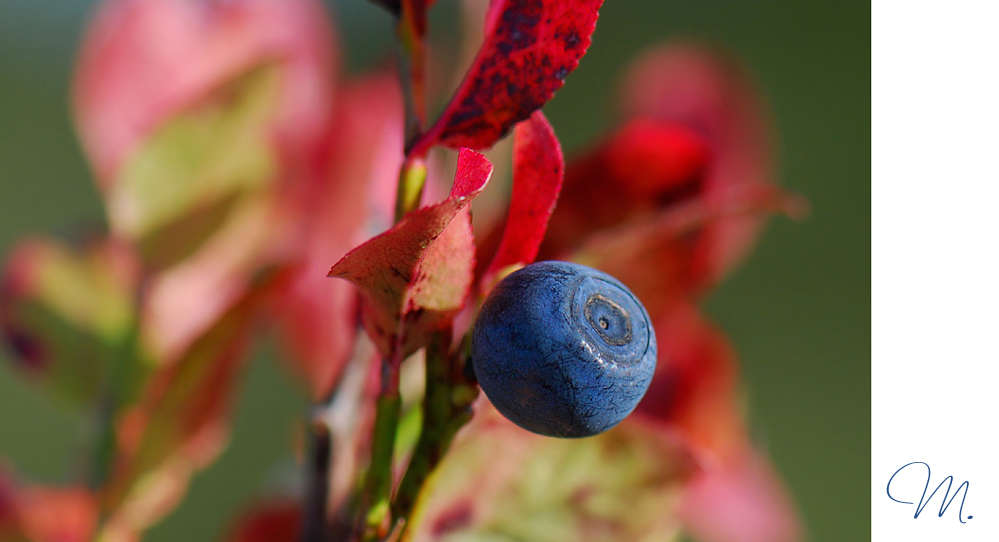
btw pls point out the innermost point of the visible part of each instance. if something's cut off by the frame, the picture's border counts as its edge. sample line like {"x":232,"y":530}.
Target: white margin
{"x":935,"y":266}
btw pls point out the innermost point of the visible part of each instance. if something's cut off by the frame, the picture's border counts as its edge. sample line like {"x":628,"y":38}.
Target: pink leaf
{"x":416,"y":276}
{"x":538,"y":169}
{"x":198,"y":117}
{"x":361,"y":164}
{"x":735,"y":496}
{"x":142,"y":62}
{"x":740,"y":500}
{"x":530,"y":47}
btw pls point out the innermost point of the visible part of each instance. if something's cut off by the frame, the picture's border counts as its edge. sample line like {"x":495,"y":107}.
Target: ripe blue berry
{"x":563,"y":350}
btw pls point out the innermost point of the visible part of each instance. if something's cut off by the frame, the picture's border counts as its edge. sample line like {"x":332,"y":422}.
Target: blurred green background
{"x":797,"y":312}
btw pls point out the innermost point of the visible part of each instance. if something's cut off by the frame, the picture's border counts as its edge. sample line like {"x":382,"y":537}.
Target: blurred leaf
{"x":621,"y":485}
{"x":10,"y":523}
{"x":695,"y":388}
{"x":712,"y":94}
{"x":353,"y":193}
{"x":415,"y":277}
{"x":180,"y":424}
{"x":666,"y":257}
{"x":631,"y":174}
{"x":650,"y":159}
{"x":276,"y":521}
{"x":45,"y":514}
{"x":66,"y":312}
{"x":538,"y":169}
{"x":144,"y":63}
{"x":178,"y":189}
{"x":735,"y":496}
{"x":740,"y":499}
{"x":529,"y":49}
{"x":695,"y":142}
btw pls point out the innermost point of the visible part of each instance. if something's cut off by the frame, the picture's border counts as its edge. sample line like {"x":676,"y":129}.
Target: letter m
{"x":944,"y":503}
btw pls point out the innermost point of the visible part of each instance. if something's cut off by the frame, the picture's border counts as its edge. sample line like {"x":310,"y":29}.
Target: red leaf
{"x":697,"y":144}
{"x":712,"y":94}
{"x":735,"y":496}
{"x":45,"y":514}
{"x":530,"y":47}
{"x":142,"y":62}
{"x":647,"y":158}
{"x":666,"y":257}
{"x":538,"y":169}
{"x":639,"y":169}
{"x":58,"y":514}
{"x":277,"y":521}
{"x":416,"y":276}
{"x":694,"y":389}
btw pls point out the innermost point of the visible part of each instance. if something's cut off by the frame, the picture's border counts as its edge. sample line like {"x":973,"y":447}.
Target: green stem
{"x":373,"y":513}
{"x":374,"y":507}
{"x":411,"y":29}
{"x":412,"y":177}
{"x":446,"y":409}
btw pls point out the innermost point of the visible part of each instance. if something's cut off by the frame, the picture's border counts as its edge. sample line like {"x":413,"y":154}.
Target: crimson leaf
{"x":529,"y":49}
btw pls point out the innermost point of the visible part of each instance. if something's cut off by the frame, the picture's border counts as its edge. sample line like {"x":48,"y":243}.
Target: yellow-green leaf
{"x":66,"y":312}
{"x":500,"y":483}
{"x":178,"y":188}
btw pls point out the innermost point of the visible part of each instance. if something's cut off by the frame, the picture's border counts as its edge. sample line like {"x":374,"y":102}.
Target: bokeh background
{"x":798,"y":311}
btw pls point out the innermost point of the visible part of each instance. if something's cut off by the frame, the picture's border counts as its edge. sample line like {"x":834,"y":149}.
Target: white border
{"x":935,"y":265}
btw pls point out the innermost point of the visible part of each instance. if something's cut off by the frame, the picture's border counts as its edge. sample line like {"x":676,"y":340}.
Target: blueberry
{"x":563,"y":350}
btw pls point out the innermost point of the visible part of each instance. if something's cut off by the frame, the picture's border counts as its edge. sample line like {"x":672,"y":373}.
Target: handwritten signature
{"x":923,"y":500}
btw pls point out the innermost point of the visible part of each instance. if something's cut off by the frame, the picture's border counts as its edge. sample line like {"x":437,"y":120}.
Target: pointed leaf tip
{"x":419,"y":272}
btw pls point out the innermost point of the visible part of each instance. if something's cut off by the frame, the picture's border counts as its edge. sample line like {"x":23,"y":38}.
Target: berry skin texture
{"x":563,"y":350}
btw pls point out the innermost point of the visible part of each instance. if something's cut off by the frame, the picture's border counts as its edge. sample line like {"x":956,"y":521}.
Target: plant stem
{"x":412,"y":177}
{"x":314,"y":524}
{"x":375,"y":506}
{"x":411,"y":30}
{"x":373,"y":512}
{"x":446,"y":408}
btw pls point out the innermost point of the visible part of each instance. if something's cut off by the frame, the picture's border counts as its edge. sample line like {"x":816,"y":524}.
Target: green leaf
{"x":180,"y":423}
{"x":67,"y":312}
{"x":500,"y":483}
{"x":180,"y":187}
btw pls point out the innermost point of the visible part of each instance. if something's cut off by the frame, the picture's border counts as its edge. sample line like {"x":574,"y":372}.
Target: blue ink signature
{"x":944,"y":504}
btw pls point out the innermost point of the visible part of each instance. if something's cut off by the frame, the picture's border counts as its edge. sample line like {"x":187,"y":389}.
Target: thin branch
{"x":317,"y":474}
